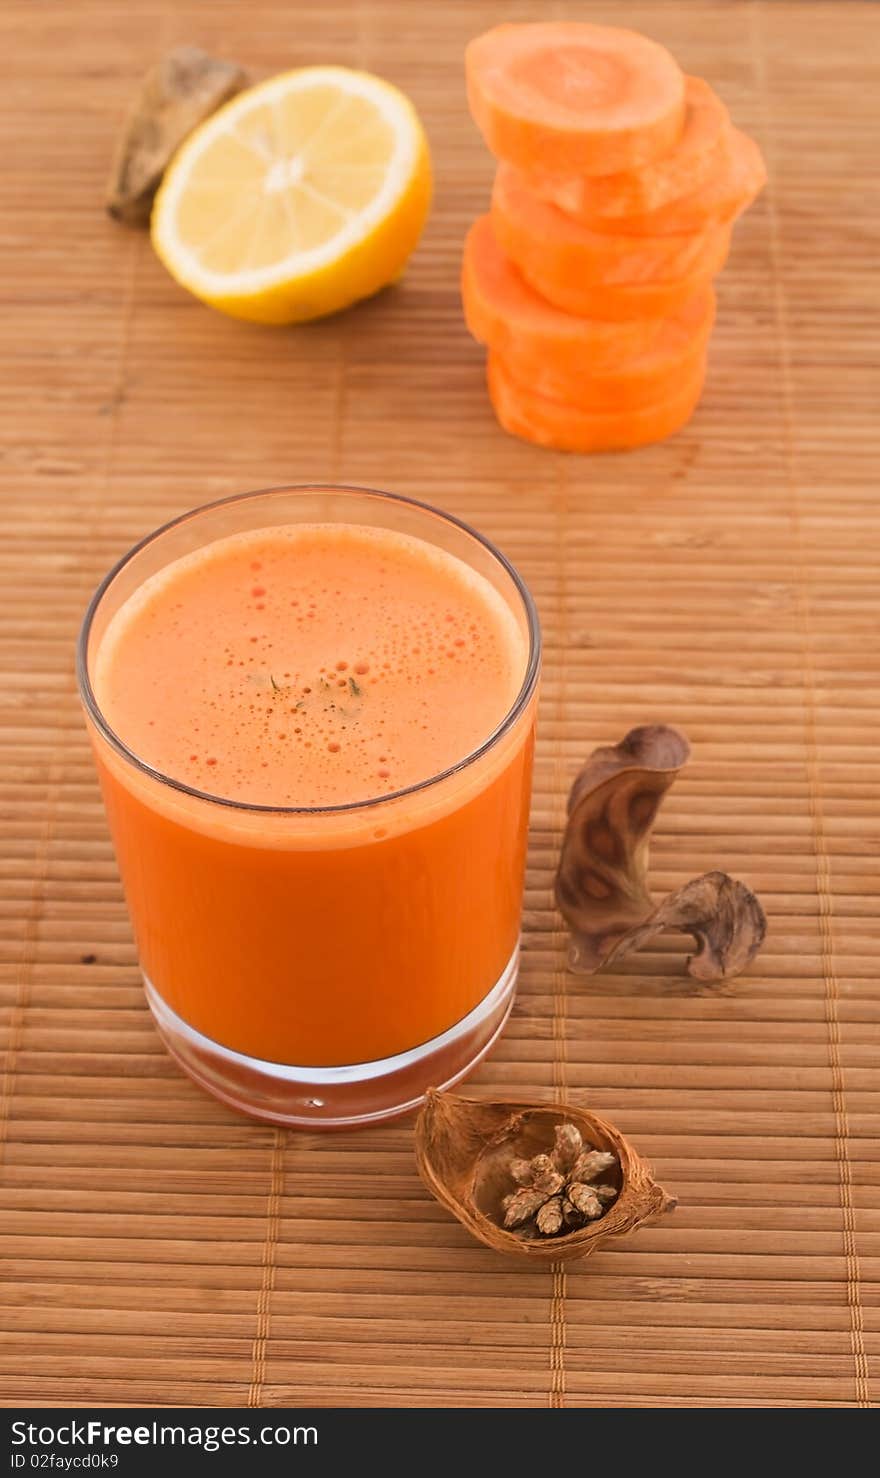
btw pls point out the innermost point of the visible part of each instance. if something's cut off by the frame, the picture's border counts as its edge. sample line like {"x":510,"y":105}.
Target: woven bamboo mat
{"x":160,"y":1249}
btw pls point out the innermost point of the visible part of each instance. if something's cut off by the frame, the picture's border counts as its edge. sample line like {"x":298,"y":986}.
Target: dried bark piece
{"x":601,"y":884}
{"x":465,"y":1151}
{"x":179,"y":92}
{"x":722,"y":914}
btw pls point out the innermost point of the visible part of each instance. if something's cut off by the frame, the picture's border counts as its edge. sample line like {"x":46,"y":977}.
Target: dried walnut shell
{"x":465,"y":1151}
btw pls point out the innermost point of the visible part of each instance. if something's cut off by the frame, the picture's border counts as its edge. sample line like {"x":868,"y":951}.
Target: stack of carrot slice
{"x":590,"y":281}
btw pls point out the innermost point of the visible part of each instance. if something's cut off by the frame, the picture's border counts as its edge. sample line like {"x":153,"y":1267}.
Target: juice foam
{"x":309,"y":665}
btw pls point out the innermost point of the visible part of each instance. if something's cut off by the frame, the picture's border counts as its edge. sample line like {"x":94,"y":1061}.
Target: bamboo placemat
{"x":160,"y":1249}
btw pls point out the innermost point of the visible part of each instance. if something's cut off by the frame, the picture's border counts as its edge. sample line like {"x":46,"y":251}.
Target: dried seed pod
{"x":464,"y":1152}
{"x":590,"y":1163}
{"x":549,"y":1184}
{"x":584,"y":1199}
{"x":567,"y":1148}
{"x":521,"y":1204}
{"x":549,"y":1218}
{"x":601,"y":884}
{"x":570,"y":1216}
{"x":724,"y":916}
{"x":522,"y":1172}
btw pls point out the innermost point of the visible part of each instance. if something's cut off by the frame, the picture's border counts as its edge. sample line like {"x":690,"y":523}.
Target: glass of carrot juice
{"x":312,"y":711}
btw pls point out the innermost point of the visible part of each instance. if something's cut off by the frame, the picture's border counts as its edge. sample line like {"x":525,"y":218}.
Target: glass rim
{"x":520,"y":702}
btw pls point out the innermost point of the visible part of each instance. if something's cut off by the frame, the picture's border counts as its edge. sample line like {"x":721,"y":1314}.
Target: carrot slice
{"x":672,"y":359}
{"x":503,"y":311}
{"x":725,"y":196}
{"x":624,"y":301}
{"x":551,"y":423}
{"x":573,"y":97}
{"x":531,"y":230}
{"x":737,"y":181}
{"x":698,"y":153}
{"x":565,"y":263}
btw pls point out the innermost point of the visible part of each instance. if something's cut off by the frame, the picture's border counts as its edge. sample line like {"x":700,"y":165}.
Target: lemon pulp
{"x":300,"y":196}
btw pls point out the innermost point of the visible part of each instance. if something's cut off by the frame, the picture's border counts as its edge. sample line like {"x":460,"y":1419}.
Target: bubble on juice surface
{"x":425,"y":656}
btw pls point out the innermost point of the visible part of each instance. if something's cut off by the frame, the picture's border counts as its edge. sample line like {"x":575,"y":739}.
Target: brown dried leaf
{"x":723,"y":915}
{"x":179,"y":92}
{"x":464,"y":1151}
{"x":601,"y":884}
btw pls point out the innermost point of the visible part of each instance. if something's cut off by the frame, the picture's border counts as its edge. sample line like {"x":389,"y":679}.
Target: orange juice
{"x":314,"y":740}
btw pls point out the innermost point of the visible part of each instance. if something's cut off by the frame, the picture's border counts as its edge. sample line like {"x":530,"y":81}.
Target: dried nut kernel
{"x":522,"y":1206}
{"x":537,"y":1180}
{"x":568,"y":1147}
{"x":549,"y":1218}
{"x":521,"y":1171}
{"x":584,"y":1200}
{"x":565,"y":1175}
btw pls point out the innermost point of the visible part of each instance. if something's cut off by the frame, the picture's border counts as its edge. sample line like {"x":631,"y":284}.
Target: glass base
{"x":337,"y":1097}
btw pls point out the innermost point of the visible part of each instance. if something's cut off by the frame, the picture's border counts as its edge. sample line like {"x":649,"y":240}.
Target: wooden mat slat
{"x":161,"y":1250}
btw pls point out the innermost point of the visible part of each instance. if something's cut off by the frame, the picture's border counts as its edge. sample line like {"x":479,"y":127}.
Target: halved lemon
{"x":300,"y":196}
